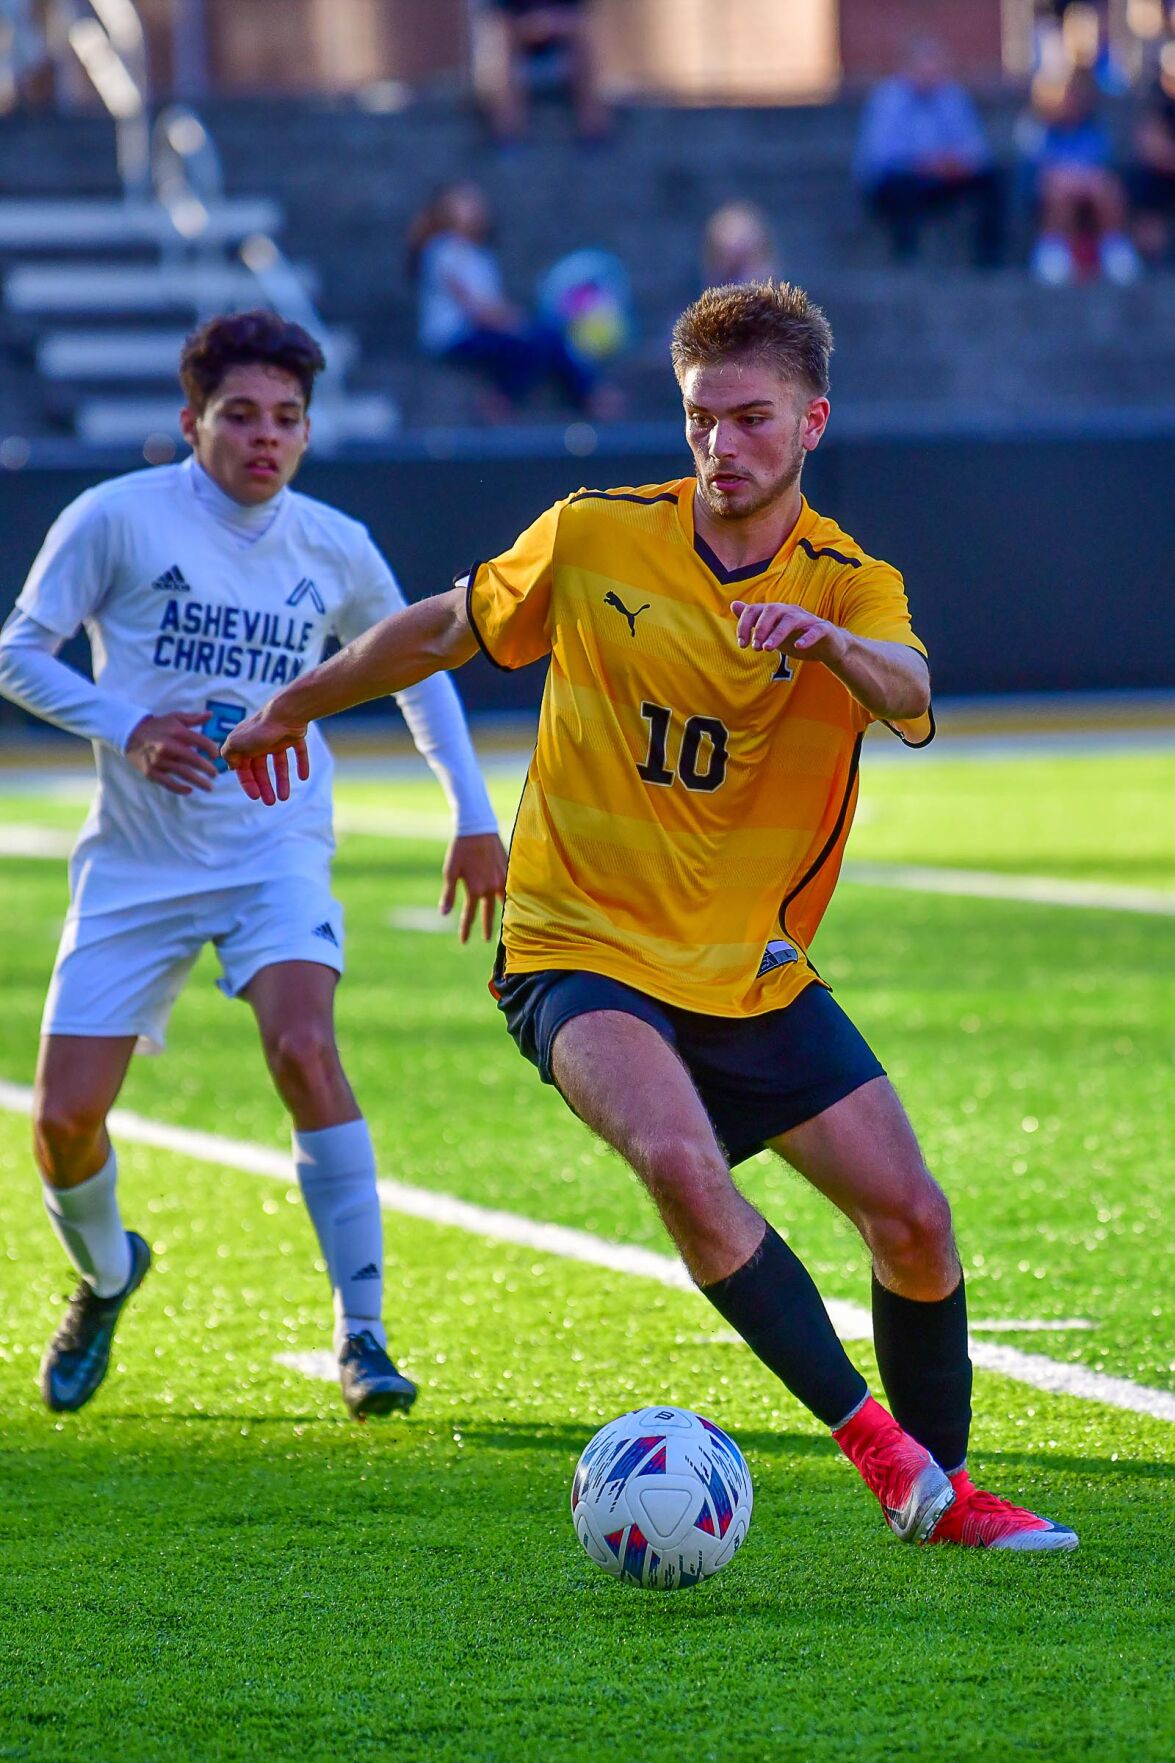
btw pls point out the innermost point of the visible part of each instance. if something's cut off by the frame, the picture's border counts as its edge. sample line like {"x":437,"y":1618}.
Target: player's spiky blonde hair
{"x":762,"y":321}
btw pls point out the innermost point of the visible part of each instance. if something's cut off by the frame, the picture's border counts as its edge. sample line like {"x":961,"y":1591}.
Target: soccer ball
{"x":661,"y":1497}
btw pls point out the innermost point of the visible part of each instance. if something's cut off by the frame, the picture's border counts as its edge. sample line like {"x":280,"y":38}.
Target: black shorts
{"x":758,"y":1076}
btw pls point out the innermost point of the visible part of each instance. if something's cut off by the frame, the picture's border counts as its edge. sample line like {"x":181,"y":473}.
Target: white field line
{"x":1035,"y":890}
{"x":421,"y":918}
{"x":20,"y":840}
{"x":982,"y":884}
{"x":850,"y":1320}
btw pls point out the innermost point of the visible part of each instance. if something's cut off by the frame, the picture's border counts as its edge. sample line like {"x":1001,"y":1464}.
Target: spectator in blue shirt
{"x":922,"y":152}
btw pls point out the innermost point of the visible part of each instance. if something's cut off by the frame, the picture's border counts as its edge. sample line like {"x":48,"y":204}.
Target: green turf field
{"x":211,"y":1562}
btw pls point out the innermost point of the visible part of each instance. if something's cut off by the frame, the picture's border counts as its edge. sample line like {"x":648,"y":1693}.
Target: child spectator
{"x":464,"y":315}
{"x":1080,"y":198}
{"x":737,"y":246}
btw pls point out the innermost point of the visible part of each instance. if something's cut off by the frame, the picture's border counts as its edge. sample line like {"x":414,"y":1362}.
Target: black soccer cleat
{"x":371,"y":1383}
{"x":77,"y":1358}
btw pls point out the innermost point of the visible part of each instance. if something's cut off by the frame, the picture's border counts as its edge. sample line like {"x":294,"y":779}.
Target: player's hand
{"x":776,"y":625}
{"x":478,"y":861}
{"x":252,"y":744}
{"x":170,"y":750}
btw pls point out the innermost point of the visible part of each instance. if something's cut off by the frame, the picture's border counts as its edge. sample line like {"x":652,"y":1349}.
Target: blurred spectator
{"x":532,"y":36}
{"x":1081,"y":200}
{"x":1153,"y":173}
{"x":464,"y":316}
{"x":737,"y":246}
{"x":922,"y":152}
{"x":25,"y":69}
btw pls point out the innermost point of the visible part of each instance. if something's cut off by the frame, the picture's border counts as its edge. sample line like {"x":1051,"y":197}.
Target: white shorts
{"x":120,"y":972}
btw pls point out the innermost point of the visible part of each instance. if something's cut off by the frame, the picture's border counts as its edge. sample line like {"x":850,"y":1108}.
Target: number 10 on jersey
{"x":704,"y":743}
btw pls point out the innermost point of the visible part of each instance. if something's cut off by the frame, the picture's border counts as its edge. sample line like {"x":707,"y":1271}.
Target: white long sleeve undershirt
{"x":436,"y":723}
{"x":33,"y":677}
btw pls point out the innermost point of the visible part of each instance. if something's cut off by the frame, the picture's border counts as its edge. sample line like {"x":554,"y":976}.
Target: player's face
{"x":252,"y":433}
{"x":748,"y":431}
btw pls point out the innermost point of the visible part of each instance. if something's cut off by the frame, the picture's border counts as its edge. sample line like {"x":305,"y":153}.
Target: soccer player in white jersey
{"x":202,"y":586}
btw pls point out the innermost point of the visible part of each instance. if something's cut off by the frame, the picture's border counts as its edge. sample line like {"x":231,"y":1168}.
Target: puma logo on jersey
{"x":172,"y":581}
{"x":614,"y":600}
{"x":306,"y":587}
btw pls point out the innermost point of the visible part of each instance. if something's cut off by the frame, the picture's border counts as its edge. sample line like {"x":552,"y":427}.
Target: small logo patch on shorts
{"x":777,"y":954}
{"x":324,"y":930}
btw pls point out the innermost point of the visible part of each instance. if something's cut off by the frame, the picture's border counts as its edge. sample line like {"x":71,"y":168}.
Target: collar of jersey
{"x":190,"y":468}
{"x":805,"y":522}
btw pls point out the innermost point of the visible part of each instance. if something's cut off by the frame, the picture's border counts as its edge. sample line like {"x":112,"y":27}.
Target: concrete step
{"x":139,"y":354}
{"x":64,"y":225}
{"x":117,"y":288}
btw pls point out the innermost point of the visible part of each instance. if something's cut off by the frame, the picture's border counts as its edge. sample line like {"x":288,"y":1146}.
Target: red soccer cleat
{"x":913,"y":1490}
{"x":979,"y":1520}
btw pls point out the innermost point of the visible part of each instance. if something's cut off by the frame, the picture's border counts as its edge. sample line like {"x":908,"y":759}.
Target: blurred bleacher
{"x":937,"y":346}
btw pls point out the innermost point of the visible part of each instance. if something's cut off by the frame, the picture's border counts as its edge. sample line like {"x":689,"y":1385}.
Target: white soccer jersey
{"x":181,"y":617}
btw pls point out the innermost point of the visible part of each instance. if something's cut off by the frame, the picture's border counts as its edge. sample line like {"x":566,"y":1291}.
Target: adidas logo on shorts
{"x":324,"y":931}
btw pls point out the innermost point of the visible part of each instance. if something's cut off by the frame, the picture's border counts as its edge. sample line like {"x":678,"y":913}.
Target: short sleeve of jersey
{"x":871,"y":602}
{"x":71,"y":574}
{"x":375,"y":593}
{"x":509,"y":598}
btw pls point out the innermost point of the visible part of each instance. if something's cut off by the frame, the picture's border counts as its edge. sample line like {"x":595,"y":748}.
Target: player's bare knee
{"x":64,"y":1128}
{"x":683,"y":1172}
{"x":303,"y":1057}
{"x":916,"y":1234}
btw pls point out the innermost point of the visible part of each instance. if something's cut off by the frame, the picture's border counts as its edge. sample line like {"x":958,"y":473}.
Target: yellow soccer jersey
{"x":687,"y":805}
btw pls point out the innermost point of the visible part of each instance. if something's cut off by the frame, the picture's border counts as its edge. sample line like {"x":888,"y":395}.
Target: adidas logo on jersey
{"x":324,"y":931}
{"x":776,"y":954}
{"x":304,"y":589}
{"x":172,"y":581}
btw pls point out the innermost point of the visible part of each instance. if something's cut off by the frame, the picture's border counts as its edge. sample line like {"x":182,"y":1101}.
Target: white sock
{"x":336,"y":1172}
{"x":90,"y":1230}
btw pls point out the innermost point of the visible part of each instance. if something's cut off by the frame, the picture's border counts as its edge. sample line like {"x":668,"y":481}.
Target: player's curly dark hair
{"x":241,"y":339}
{"x":762,"y":321}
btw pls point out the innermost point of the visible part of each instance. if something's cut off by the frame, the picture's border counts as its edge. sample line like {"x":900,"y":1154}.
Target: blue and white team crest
{"x":306,"y":590}
{"x":777,"y":954}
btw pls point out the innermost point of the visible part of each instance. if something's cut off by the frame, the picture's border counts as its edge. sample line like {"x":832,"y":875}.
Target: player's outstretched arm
{"x":396,"y":653}
{"x":891,"y":680}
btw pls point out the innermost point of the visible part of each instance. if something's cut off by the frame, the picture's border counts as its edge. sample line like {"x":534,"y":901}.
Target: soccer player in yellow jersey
{"x":716,"y":652}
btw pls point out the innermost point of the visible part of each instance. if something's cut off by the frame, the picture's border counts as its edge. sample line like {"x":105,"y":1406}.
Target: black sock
{"x":926,"y":1369}
{"x":774,"y":1305}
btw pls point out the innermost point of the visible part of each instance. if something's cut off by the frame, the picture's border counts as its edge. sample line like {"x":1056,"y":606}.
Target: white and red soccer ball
{"x":661,"y":1497}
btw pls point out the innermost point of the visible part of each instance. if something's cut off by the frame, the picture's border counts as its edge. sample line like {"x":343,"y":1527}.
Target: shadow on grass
{"x":540,"y":1438}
